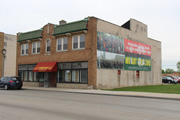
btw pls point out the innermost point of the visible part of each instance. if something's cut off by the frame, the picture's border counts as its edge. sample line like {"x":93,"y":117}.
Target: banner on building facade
{"x":110,"y":51}
{"x":137,"y":56}
{"x":137,"y":48}
{"x":117,"y":53}
{"x":141,"y":64}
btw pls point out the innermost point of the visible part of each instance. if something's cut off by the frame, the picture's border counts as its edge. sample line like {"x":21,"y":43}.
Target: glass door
{"x":46,"y":79}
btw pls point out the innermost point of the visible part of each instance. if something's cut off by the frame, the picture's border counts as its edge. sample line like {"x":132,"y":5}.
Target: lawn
{"x":171,"y":89}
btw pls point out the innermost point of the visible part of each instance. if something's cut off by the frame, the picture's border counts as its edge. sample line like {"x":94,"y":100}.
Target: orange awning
{"x":46,"y":67}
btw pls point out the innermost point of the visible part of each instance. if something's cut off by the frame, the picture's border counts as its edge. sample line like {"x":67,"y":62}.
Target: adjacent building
{"x":8,"y":42}
{"x":89,"y":53}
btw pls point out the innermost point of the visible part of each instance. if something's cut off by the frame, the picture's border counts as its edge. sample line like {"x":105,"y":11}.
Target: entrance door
{"x":46,"y":79}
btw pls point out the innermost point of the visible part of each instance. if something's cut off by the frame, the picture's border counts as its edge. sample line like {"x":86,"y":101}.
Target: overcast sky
{"x":161,"y":16}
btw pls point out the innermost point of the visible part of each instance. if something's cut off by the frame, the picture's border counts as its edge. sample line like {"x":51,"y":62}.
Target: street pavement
{"x":112,"y":93}
{"x":66,"y":104}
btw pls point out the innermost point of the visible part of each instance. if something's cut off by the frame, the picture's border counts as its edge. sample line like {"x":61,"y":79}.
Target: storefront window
{"x":35,"y":77}
{"x":76,"y":72}
{"x":25,"y":72}
{"x":30,"y":76}
{"x":23,"y":67}
{"x":75,"y":75}
{"x":31,"y":67}
{"x":61,"y":75}
{"x":84,"y":76}
{"x":25,"y":76}
{"x":64,"y":66}
{"x":79,"y":65}
{"x":67,"y":76}
{"x":20,"y":74}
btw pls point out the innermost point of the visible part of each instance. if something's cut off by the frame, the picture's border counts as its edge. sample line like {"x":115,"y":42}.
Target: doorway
{"x":46,"y":79}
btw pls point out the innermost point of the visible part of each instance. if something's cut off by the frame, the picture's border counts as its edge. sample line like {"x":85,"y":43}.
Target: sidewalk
{"x":112,"y":93}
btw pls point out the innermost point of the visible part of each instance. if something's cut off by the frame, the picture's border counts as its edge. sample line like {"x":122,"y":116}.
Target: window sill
{"x":78,"y":49}
{"x":24,"y":55}
{"x":61,"y":50}
{"x":47,"y":53}
{"x":35,"y":53}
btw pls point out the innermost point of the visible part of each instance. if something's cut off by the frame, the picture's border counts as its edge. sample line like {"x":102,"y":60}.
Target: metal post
{"x":4,"y":55}
{"x":3,"y":65}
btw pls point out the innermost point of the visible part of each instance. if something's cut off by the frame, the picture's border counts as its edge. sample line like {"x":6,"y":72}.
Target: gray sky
{"x":161,"y":16}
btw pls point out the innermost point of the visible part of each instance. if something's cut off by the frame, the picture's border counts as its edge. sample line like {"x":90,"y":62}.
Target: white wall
{"x":10,"y":60}
{"x":108,"y":78}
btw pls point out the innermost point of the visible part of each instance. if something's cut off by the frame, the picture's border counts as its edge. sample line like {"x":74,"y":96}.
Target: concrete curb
{"x":111,"y":93}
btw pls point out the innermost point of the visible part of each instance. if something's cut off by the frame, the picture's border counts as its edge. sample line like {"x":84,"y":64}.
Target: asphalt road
{"x":49,"y":105}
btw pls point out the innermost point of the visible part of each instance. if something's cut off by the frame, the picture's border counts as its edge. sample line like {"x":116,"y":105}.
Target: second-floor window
{"x":48,"y":46}
{"x":36,"y":47}
{"x":78,"y":42}
{"x":62,"y":44}
{"x":24,"y":49}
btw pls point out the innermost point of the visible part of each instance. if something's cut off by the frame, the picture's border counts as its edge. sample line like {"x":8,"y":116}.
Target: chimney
{"x":62,"y":22}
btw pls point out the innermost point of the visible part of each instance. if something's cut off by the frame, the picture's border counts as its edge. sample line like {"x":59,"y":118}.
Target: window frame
{"x":36,"y":47}
{"x":79,"y":41}
{"x":71,"y":70}
{"x":25,"y":48}
{"x":47,"y":45}
{"x":27,"y":70}
{"x":62,"y":44}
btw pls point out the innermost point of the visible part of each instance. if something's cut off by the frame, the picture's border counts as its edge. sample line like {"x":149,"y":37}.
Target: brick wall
{"x":1,"y":56}
{"x":87,"y":54}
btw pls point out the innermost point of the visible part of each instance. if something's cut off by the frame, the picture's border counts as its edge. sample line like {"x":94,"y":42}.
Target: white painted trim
{"x":24,"y":49}
{"x":46,"y":45}
{"x":36,"y":43}
{"x":78,"y":42}
{"x":62,"y":43}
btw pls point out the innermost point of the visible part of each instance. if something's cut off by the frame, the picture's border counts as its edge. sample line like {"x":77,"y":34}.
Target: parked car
{"x":178,"y":79}
{"x":169,"y":79}
{"x":8,"y":82}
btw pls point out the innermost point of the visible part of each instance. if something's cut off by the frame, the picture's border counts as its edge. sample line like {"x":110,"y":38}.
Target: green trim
{"x":29,"y":39}
{"x":70,"y":27}
{"x":30,"y":35}
{"x":69,"y":32}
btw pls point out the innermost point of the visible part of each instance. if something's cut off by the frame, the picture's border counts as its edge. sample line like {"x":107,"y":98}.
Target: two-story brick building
{"x":90,"y":53}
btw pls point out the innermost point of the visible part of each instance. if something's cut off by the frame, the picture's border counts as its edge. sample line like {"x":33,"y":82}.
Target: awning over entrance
{"x":46,"y":67}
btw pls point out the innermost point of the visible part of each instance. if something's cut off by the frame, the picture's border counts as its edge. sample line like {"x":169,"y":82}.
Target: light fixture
{"x":4,"y":52}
